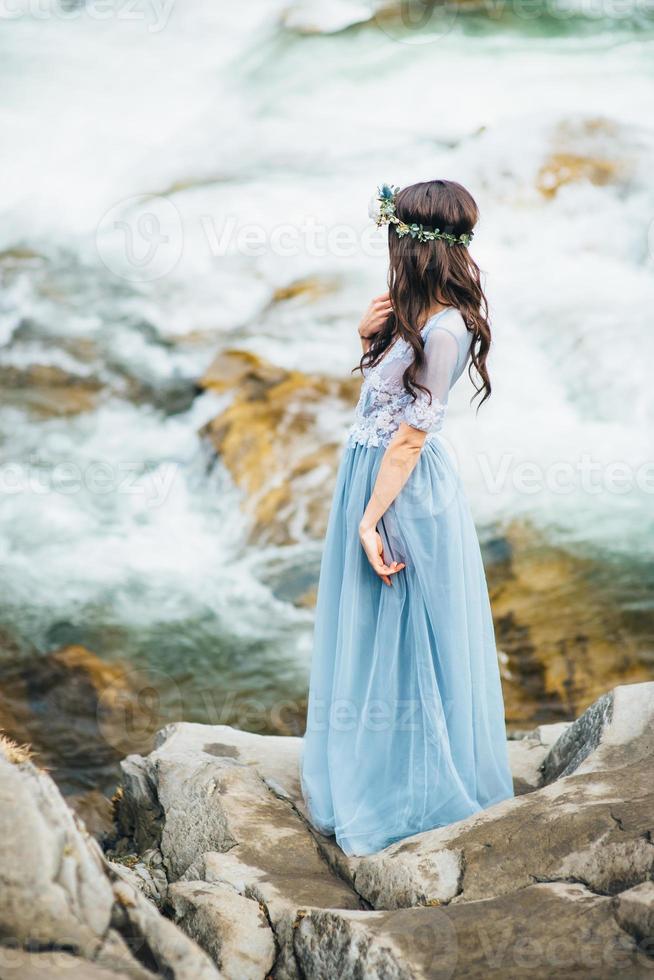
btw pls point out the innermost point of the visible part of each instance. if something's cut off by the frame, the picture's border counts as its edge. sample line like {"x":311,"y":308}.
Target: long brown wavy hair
{"x":422,"y":274}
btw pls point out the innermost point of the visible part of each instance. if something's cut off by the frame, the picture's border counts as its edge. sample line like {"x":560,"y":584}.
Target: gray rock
{"x":228,"y":817}
{"x":155,"y":940}
{"x":58,"y":893}
{"x":145,"y":873}
{"x":609,"y":867}
{"x":140,"y":816}
{"x":276,"y":758}
{"x":232,"y":929}
{"x":403,"y":876}
{"x":19,"y":964}
{"x":579,"y":740}
{"x":617,"y":729}
{"x":545,"y":931}
{"x":346,"y":945}
{"x":181,"y":789}
{"x":53,"y":888}
{"x":527,"y":754}
{"x":634,"y":910}
{"x":128,"y":956}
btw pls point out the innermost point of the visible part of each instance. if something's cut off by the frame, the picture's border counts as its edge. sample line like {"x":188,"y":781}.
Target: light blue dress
{"x":405,"y":728}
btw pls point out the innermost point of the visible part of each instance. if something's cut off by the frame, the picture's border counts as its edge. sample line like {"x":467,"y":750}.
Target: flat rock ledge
{"x":217,"y":873}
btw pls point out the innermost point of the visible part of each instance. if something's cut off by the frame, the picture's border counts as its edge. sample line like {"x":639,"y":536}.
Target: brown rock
{"x":95,"y":809}
{"x":48,"y":391}
{"x":274,"y":441}
{"x":310,"y":288}
{"x":567,"y":168}
{"x":79,"y":713}
{"x":562,"y":635}
{"x":593,"y":150}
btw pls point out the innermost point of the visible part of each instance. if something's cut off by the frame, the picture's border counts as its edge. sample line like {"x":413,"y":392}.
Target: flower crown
{"x":382,"y":210}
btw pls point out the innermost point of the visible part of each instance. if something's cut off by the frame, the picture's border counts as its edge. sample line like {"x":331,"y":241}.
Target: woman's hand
{"x":374,"y":549}
{"x":374,"y":318}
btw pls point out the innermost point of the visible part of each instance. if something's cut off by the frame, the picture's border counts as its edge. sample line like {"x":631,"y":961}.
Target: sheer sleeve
{"x":436,"y":374}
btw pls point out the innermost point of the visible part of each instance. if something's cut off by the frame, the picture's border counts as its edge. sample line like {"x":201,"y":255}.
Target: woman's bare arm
{"x":398,"y":462}
{"x":397,"y":465}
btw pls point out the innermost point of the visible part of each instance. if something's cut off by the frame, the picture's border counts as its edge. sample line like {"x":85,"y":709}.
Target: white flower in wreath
{"x":374,"y":209}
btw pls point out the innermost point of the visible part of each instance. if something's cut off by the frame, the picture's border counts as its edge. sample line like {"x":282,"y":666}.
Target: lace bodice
{"x":384,"y":402}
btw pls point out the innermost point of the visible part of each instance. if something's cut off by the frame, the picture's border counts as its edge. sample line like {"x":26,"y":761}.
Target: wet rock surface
{"x":561,"y":629}
{"x":81,"y":715}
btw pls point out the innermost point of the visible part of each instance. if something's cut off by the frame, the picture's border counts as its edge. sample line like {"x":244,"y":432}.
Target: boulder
{"x":616,"y":730}
{"x":279,"y":437}
{"x":597,"y":150}
{"x":156,"y":941}
{"x":59,"y":894}
{"x":81,"y":715}
{"x":527,"y":754}
{"x":75,"y":372}
{"x":52,"y":883}
{"x":634,"y":910}
{"x":274,"y":757}
{"x":555,"y":881}
{"x":443,"y":864}
{"x":560,"y":628}
{"x":219,"y":804}
{"x":20,"y":964}
{"x":48,"y":391}
{"x":233,"y":929}
{"x":545,"y":931}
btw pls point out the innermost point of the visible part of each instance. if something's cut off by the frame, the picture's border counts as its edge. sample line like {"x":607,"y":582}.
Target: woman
{"x":405,"y":727}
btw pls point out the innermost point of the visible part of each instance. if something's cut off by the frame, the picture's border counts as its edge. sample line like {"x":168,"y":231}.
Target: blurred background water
{"x":184,"y":257}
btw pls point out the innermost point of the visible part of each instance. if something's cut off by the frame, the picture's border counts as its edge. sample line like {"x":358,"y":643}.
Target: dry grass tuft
{"x":13,"y":752}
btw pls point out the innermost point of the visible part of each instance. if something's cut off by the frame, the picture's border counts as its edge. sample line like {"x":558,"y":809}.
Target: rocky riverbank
{"x":213,"y":870}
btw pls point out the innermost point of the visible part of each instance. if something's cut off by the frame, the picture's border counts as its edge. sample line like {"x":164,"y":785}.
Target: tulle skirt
{"x":405,"y":728}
